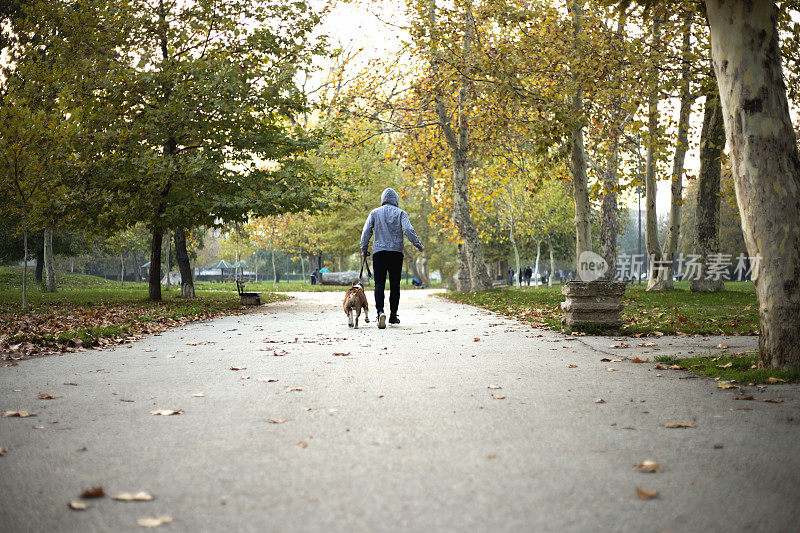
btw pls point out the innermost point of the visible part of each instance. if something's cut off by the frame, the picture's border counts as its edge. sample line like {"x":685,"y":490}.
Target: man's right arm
{"x":366,"y":234}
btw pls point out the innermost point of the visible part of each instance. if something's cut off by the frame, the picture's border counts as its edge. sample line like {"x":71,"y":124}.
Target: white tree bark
{"x":765,"y":165}
{"x":49,"y":263}
{"x":552,"y":263}
{"x":514,"y":245}
{"x":537,"y":275}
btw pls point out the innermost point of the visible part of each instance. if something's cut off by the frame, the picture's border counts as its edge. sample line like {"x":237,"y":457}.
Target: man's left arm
{"x":408,"y":229}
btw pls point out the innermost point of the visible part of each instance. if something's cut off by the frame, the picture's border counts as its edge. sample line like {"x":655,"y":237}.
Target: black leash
{"x":364,"y":263}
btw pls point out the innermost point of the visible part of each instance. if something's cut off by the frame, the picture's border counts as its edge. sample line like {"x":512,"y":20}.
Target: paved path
{"x":402,"y":434}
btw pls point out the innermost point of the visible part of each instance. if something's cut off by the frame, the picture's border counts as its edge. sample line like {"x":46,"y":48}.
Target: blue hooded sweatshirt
{"x":389,"y":223}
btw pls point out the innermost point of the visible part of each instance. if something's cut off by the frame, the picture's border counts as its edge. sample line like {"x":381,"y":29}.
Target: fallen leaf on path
{"x":674,"y":425}
{"x":611,"y":369}
{"x":495,"y":387}
{"x":71,"y":383}
{"x":637,"y":360}
{"x":498,"y":397}
{"x":198,"y":395}
{"x":78,"y":506}
{"x":294,"y":389}
{"x":166,"y":412}
{"x":341,"y":354}
{"x":238,"y":368}
{"x":772,"y":400}
{"x":94,"y":492}
{"x":276,"y":420}
{"x":649,"y":467}
{"x":19,"y":414}
{"x":154,"y":521}
{"x":646,"y":344}
{"x":3,"y":451}
{"x":476,"y":339}
{"x":46,"y":396}
{"x":727,"y":385}
{"x":726,"y":365}
{"x":659,"y":367}
{"x":605,"y":360}
{"x":646,"y":494}
{"x":621,"y":345}
{"x":141,"y":496}
{"x":267,"y":380}
{"x":676,"y":367}
{"x":657,"y":334}
{"x":722,"y":346}
{"x":769,"y":380}
{"x":303,"y":444}
{"x":599,"y":400}
{"x":572,"y":366}
{"x":744,"y":398}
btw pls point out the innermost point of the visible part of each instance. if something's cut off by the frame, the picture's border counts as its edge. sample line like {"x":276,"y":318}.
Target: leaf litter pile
{"x":62,"y":326}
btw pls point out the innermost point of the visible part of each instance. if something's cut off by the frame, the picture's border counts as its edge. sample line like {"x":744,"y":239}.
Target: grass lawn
{"x":680,"y":311}
{"x":90,"y":311}
{"x":735,"y":368}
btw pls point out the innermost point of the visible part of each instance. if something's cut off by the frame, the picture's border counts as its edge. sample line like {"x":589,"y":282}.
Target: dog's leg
{"x":350,"y":317}
{"x":366,"y":312}
{"x":354,"y":312}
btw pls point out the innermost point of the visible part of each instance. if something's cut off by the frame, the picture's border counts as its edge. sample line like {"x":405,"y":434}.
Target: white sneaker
{"x":381,"y":320}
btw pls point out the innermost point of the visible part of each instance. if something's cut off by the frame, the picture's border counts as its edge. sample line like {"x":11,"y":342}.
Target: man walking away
{"x":389,"y":222}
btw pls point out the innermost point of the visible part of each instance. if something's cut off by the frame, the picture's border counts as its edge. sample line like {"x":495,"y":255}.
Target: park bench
{"x":248,"y":298}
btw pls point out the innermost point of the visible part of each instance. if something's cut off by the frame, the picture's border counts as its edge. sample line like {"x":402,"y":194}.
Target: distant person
{"x":389,"y":223}
{"x":314,"y":276}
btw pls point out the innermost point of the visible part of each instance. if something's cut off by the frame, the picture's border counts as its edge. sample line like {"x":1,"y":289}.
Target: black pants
{"x":391,"y":263}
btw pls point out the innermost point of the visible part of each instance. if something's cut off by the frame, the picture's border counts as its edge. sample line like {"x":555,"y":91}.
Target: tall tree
{"x":765,"y":164}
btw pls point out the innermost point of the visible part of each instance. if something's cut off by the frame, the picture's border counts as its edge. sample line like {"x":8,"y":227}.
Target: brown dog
{"x":354,"y":301}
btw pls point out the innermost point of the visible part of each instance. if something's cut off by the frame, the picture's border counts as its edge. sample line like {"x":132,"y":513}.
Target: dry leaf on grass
{"x":302,"y":444}
{"x":78,"y":506}
{"x":775,"y":380}
{"x":637,"y":360}
{"x":572,"y":366}
{"x":675,"y":425}
{"x":166,"y":412}
{"x":94,"y":492}
{"x":142,"y":496}
{"x":276,"y":420}
{"x":726,"y":365}
{"x":18,"y":414}
{"x":676,"y":367}
{"x":495,"y":387}
{"x":46,"y":396}
{"x":657,"y":334}
{"x":649,"y":467}
{"x":646,"y":494}
{"x":154,"y":521}
{"x":772,"y":400}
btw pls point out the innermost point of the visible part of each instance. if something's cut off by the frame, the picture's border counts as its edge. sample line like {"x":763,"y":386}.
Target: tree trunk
{"x":712,"y":143}
{"x":652,"y":245}
{"x":765,"y":165}
{"x":274,"y":272}
{"x":122,"y":269}
{"x":681,"y":146}
{"x":462,"y":274}
{"x":538,"y":276}
{"x":185,"y":267}
{"x":49,"y":263}
{"x":303,"y":268}
{"x":580,"y":186}
{"x":552,"y":263}
{"x":39,"y":274}
{"x":458,"y":142}
{"x":516,"y":250}
{"x":154,"y":279}
{"x":169,"y":261}
{"x":25,"y":260}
